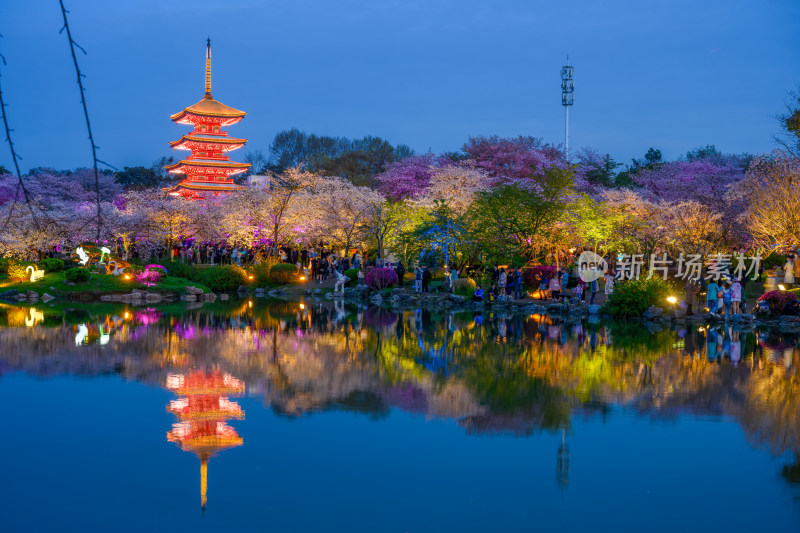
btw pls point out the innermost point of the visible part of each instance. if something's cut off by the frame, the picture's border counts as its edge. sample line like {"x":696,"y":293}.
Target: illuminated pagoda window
{"x":208,"y":169}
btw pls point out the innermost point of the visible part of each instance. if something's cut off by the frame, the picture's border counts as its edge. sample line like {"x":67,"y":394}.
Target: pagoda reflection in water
{"x":203,"y":408}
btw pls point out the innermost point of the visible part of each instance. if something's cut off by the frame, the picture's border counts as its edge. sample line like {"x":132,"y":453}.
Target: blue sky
{"x":671,"y":74}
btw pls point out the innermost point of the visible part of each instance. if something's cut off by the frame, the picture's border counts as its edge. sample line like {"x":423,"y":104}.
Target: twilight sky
{"x":673,"y":74}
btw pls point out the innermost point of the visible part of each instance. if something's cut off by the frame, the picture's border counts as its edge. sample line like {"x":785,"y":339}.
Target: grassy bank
{"x":54,"y":283}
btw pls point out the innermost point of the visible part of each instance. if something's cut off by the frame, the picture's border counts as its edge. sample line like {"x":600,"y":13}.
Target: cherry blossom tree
{"x":407,"y":178}
{"x":340,"y":211}
{"x":284,"y":204}
{"x":456,"y":186}
{"x":512,"y":158}
{"x":705,"y":180}
{"x":770,"y":202}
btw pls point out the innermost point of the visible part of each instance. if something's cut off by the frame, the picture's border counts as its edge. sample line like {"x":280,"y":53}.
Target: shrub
{"x":381,"y":278}
{"x":351,"y":273}
{"x":632,"y":298}
{"x":777,"y":299}
{"x":77,"y":275}
{"x":151,"y":274}
{"x":464,"y":287}
{"x":6,"y":262}
{"x":17,"y":271}
{"x":223,"y":278}
{"x":261,"y":267}
{"x":283,"y":273}
{"x":179,"y":269}
{"x":51,"y":264}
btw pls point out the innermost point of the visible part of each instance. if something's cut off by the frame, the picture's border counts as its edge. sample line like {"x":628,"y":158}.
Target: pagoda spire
{"x":209,"y":170}
{"x":208,"y":69}
{"x":203,"y":482}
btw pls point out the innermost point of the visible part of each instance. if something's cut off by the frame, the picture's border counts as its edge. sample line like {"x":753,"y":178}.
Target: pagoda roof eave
{"x":208,"y":107}
{"x":207,"y":164}
{"x":206,"y":186}
{"x":208,"y":140}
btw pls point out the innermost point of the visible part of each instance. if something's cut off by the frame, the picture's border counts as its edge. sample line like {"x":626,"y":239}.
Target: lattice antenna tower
{"x":567,"y":90}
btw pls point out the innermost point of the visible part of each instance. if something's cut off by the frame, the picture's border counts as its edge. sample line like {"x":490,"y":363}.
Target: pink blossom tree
{"x":512,"y":158}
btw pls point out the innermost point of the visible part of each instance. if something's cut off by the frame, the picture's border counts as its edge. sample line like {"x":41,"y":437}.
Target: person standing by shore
{"x":593,"y":290}
{"x":610,"y":278}
{"x":713,"y":293}
{"x":453,"y":277}
{"x":417,"y":279}
{"x":400,"y":270}
{"x":788,"y":272}
{"x":736,"y":297}
{"x":517,"y":284}
{"x":555,"y":286}
{"x":690,"y":290}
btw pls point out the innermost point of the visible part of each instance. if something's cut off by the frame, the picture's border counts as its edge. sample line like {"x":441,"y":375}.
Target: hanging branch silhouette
{"x":15,"y":158}
{"x":79,"y":75}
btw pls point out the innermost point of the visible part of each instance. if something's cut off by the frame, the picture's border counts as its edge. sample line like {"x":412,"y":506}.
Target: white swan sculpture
{"x":117,"y":269}
{"x":36,"y":275}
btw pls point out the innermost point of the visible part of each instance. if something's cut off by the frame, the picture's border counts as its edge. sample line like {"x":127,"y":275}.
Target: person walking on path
{"x":426,"y":279}
{"x":543,"y":284}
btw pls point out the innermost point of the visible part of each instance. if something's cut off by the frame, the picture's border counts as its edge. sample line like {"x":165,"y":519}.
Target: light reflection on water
{"x":492,"y":375}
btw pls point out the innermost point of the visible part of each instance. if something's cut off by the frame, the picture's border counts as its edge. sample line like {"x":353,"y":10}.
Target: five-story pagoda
{"x":208,"y":168}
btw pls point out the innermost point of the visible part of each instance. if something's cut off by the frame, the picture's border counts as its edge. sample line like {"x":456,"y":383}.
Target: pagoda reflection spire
{"x":203,"y":408}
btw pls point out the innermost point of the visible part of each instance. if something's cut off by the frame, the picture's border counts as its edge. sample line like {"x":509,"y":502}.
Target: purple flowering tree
{"x":407,"y":178}
{"x":703,"y":180}
{"x":512,"y":158}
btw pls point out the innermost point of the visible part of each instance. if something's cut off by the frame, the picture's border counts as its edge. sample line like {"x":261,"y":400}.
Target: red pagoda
{"x":203,"y":409}
{"x":208,"y":168}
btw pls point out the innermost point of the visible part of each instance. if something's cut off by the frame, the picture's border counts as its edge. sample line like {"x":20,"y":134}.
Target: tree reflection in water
{"x":491,"y":372}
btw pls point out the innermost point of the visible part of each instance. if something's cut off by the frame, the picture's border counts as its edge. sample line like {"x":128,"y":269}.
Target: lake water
{"x":249,"y":416}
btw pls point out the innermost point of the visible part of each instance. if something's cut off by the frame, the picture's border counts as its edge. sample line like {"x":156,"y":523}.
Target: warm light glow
{"x":250,"y":304}
{"x":302,"y":306}
{"x":302,"y":278}
{"x":34,"y":317}
{"x":672,"y":300}
{"x":250,"y":277}
{"x":781,"y":287}
{"x":127,"y":276}
{"x":127,"y":315}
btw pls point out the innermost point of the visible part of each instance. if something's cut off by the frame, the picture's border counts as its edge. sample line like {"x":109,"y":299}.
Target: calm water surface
{"x":277,"y":417}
